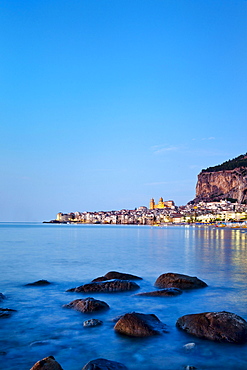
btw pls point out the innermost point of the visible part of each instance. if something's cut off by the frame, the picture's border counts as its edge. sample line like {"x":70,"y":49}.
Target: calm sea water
{"x":71,"y":255}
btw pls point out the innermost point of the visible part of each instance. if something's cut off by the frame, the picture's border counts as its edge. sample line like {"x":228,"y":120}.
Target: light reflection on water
{"x":69,"y":255}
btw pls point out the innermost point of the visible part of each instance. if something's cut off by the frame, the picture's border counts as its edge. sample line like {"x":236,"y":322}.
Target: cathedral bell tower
{"x":151,"y":204}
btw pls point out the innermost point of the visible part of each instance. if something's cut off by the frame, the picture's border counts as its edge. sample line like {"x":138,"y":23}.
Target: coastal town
{"x":221,"y":199}
{"x":224,"y":212}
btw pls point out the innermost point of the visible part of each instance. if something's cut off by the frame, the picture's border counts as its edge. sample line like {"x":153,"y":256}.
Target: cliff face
{"x":214,"y":186}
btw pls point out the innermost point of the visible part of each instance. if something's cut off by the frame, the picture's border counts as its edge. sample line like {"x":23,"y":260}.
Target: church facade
{"x":161,"y":204}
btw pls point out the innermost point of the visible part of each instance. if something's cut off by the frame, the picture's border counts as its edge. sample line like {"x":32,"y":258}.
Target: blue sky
{"x":107,"y":103}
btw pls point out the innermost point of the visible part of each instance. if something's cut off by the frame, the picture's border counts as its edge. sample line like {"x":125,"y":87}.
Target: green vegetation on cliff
{"x":240,"y":161}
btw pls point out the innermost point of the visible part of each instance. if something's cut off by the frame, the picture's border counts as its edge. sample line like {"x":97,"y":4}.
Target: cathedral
{"x":161,"y":204}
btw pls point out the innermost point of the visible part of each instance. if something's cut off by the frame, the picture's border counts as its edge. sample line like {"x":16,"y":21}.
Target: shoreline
{"x":223,"y":225}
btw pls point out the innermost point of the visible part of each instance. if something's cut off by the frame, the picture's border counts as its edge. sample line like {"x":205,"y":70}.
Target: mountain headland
{"x":225,"y":181}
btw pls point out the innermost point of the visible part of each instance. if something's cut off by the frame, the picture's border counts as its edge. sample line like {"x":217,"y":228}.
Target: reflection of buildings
{"x":161,"y":204}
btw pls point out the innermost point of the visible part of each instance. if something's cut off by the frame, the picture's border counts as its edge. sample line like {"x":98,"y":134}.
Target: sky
{"x":105,"y":104}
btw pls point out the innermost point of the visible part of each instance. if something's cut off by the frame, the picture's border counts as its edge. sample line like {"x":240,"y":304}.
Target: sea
{"x":71,"y":255}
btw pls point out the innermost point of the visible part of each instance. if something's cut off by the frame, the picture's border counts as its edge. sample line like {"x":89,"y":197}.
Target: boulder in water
{"x":217,"y":326}
{"x":139,"y":325}
{"x":87,"y":305}
{"x":103,"y":364}
{"x":48,"y":363}
{"x":168,"y":292}
{"x":6,"y":312}
{"x":110,"y":286}
{"x":39,"y":283}
{"x":92,"y":322}
{"x":117,"y":275}
{"x":173,"y":280}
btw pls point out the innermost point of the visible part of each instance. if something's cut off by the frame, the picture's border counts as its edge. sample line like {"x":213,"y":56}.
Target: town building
{"x":161,"y":204}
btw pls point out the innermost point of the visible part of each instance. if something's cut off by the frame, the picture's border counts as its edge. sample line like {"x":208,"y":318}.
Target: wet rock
{"x":2,"y":297}
{"x":103,"y":364}
{"x":48,"y":363}
{"x":6,"y":312}
{"x":117,"y":275}
{"x":173,"y":280}
{"x":106,"y":287}
{"x":87,"y":305}
{"x":189,"y":346}
{"x":168,"y":292}
{"x":217,"y":326}
{"x":39,"y":283}
{"x":139,"y":325}
{"x":189,"y":367}
{"x":92,"y":322}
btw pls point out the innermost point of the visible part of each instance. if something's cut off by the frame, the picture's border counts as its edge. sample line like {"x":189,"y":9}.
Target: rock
{"x":139,"y":325}
{"x":189,"y":367}
{"x":48,"y":363}
{"x":87,"y":305}
{"x":217,"y":326}
{"x":117,"y":275}
{"x":39,"y":283}
{"x":106,"y":287}
{"x":6,"y":312}
{"x":212,"y":186}
{"x":2,"y":297}
{"x":92,"y":322}
{"x":173,"y":280}
{"x":168,"y":292}
{"x":102,"y":364}
{"x":189,"y":346}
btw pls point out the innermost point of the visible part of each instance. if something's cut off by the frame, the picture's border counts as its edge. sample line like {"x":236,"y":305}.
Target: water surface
{"x":71,"y":255}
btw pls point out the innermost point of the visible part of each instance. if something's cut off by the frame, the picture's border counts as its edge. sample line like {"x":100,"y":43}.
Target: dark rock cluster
{"x":216,"y":326}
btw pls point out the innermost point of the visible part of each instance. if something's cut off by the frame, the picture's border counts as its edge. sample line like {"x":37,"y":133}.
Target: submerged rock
{"x":217,"y":326}
{"x":189,"y":346}
{"x":168,"y":292}
{"x":92,"y":322}
{"x":2,"y":297}
{"x":39,"y":283}
{"x":87,"y":305}
{"x":48,"y":363}
{"x":103,"y":364}
{"x":6,"y":312}
{"x":173,"y":280}
{"x":117,"y":275}
{"x":106,"y":287}
{"x":139,"y":325}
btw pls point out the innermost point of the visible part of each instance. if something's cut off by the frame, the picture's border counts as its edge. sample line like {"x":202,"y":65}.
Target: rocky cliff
{"x":217,"y":183}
